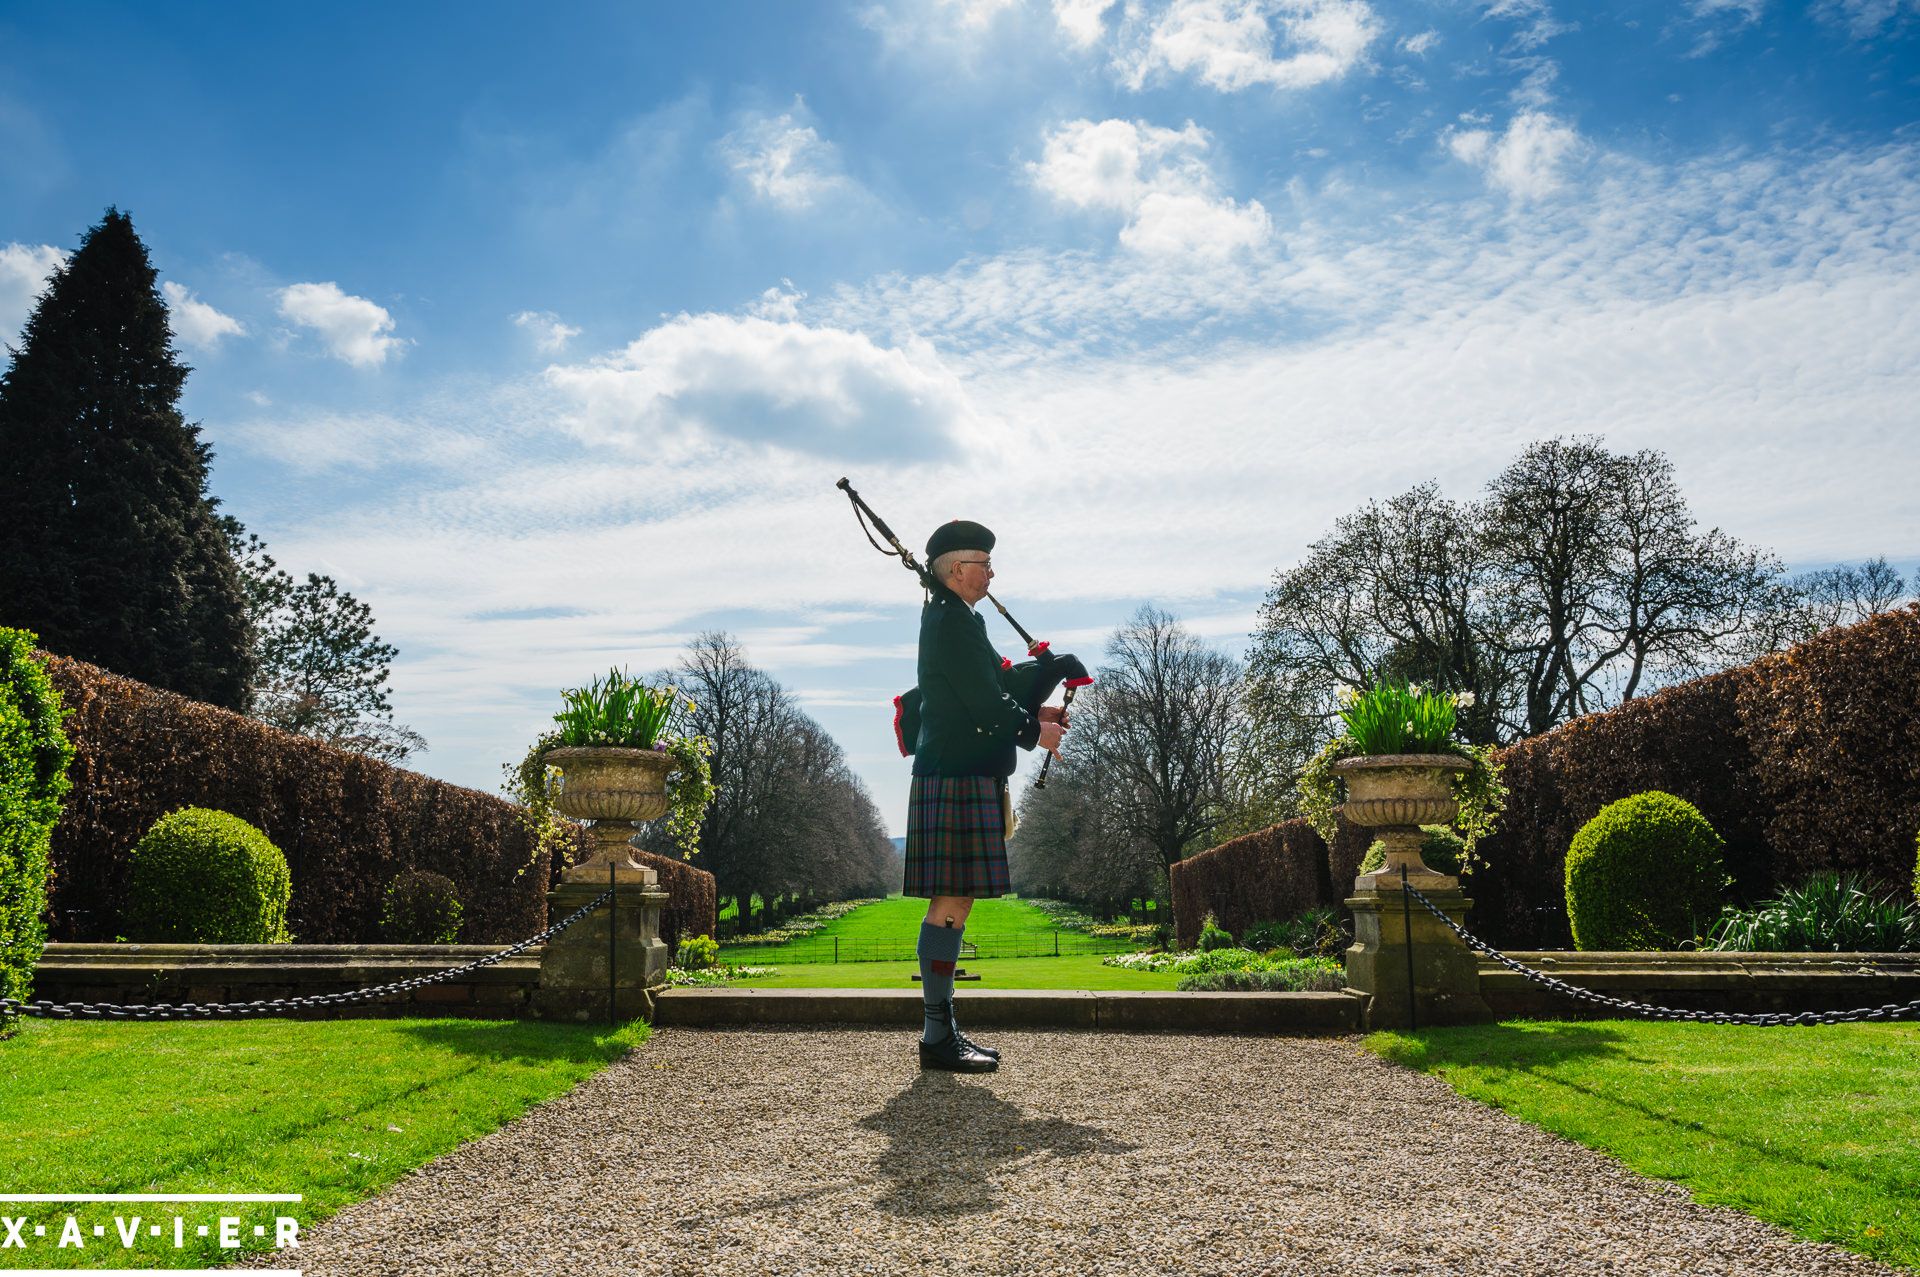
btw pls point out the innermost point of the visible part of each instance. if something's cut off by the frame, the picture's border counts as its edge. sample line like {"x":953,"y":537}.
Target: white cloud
{"x":1745,"y":12}
{"x":1540,"y":24}
{"x":1155,"y":177}
{"x":1083,"y":22}
{"x":1229,"y":44}
{"x":550,"y":336}
{"x":783,"y":161}
{"x":195,"y":322}
{"x":1419,"y":45}
{"x":817,"y":390}
{"x":1527,"y":160}
{"x":781,"y":302}
{"x":976,"y":14}
{"x":24,"y":269}
{"x":1535,"y":92}
{"x":354,"y":329}
{"x":1188,"y":224}
{"x":1866,"y":19}
{"x":1717,"y":19}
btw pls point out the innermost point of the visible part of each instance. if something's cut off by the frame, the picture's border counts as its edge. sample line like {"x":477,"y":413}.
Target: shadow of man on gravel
{"x":947,"y":1137}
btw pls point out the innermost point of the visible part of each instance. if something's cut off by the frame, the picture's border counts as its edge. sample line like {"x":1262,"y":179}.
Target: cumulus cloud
{"x":1419,"y":45}
{"x":353,"y":329}
{"x":826,"y":391}
{"x":1083,"y":22}
{"x":550,"y":336}
{"x":196,"y":323}
{"x":1156,"y":178}
{"x":24,"y":269}
{"x":1229,"y":44}
{"x":783,"y":160}
{"x":1527,"y":160}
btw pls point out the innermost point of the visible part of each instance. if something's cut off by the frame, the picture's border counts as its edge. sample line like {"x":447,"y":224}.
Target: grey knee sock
{"x":939,"y":951}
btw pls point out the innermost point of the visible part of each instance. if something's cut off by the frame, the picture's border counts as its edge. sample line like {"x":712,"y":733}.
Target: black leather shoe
{"x":991,"y":1053}
{"x":954,"y":1056}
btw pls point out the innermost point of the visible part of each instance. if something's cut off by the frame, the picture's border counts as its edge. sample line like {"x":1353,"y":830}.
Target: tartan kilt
{"x":956,"y":842}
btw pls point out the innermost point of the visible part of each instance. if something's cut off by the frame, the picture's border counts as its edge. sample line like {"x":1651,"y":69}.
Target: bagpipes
{"x":1030,"y":683}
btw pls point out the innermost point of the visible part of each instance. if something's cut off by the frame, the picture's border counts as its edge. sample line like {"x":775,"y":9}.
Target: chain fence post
{"x":613,"y":942}
{"x":1406,"y":914}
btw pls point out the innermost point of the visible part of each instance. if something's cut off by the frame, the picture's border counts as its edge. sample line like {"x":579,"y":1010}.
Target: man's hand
{"x":1050,"y":734}
{"x":1054,"y":714}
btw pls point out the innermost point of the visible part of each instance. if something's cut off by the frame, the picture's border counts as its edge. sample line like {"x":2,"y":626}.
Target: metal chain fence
{"x":206,"y":1010}
{"x":1890,"y":1011}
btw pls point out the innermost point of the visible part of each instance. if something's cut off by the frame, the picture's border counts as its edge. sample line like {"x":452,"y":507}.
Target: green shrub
{"x":1440,"y":847}
{"x":34,"y":753}
{"x":1212,"y":936}
{"x":1645,"y":873}
{"x":1832,"y":912}
{"x":1317,"y":933}
{"x":1916,"y":866}
{"x":1310,"y":975}
{"x":205,"y":877}
{"x":420,"y":907}
{"x":697,"y":953}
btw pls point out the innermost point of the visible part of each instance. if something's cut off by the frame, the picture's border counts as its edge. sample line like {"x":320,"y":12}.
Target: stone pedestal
{"x":574,"y":964}
{"x":1446,"y":974}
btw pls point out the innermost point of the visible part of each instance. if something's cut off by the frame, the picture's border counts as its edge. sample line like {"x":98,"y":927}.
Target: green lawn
{"x":1074,"y":971}
{"x":334,"y":1110}
{"x":890,"y":929}
{"x":1814,"y":1129}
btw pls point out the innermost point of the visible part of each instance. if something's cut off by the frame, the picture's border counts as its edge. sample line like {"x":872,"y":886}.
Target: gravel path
{"x":827,"y":1151}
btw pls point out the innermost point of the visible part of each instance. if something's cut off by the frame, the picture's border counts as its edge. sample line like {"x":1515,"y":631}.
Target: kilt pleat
{"x":956,"y":843}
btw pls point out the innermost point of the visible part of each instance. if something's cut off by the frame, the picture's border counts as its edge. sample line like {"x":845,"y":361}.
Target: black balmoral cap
{"x":961,"y":534}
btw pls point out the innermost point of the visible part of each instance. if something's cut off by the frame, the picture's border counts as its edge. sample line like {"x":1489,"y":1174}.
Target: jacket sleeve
{"x":971,"y":669}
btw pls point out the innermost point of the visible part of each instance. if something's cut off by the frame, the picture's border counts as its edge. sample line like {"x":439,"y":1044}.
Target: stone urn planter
{"x":615,"y":789}
{"x":1395,"y":794}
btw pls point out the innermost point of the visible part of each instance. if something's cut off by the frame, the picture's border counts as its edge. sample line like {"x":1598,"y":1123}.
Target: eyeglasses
{"x":985,"y":563}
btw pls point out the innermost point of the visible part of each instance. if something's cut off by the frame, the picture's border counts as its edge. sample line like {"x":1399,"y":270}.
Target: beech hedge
{"x":347,"y":823}
{"x":1804,"y":760}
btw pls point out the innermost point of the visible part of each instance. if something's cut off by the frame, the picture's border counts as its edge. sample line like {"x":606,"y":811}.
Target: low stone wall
{"x":1122,"y":1010}
{"x":1743,"y":982}
{"x":142,"y":974}
{"x":136,"y":974}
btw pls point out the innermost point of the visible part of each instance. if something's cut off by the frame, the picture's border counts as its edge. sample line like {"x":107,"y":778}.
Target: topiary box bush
{"x":34,"y":757}
{"x":421,"y":907}
{"x":206,"y":877}
{"x":1645,"y":873}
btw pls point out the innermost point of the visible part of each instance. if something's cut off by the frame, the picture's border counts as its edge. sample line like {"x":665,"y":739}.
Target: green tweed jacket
{"x":969,"y":725}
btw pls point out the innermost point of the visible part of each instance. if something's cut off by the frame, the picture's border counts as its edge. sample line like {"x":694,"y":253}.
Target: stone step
{"x":1124,"y":1010}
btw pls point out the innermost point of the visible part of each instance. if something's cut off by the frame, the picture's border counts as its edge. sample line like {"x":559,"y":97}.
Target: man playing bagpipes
{"x":962,"y":725}
{"x":958,"y":808}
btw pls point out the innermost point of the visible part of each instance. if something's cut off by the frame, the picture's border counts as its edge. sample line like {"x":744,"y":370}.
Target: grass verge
{"x":334,"y":1110}
{"x":1808,"y":1128}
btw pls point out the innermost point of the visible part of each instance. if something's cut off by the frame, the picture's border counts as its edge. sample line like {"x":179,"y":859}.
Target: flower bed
{"x":1241,"y":970}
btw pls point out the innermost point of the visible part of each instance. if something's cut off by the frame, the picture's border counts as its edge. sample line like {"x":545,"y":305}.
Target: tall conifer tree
{"x":109,"y":545}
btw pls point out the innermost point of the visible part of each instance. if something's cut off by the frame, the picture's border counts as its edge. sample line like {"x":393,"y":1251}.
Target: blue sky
{"x":548,"y":332}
